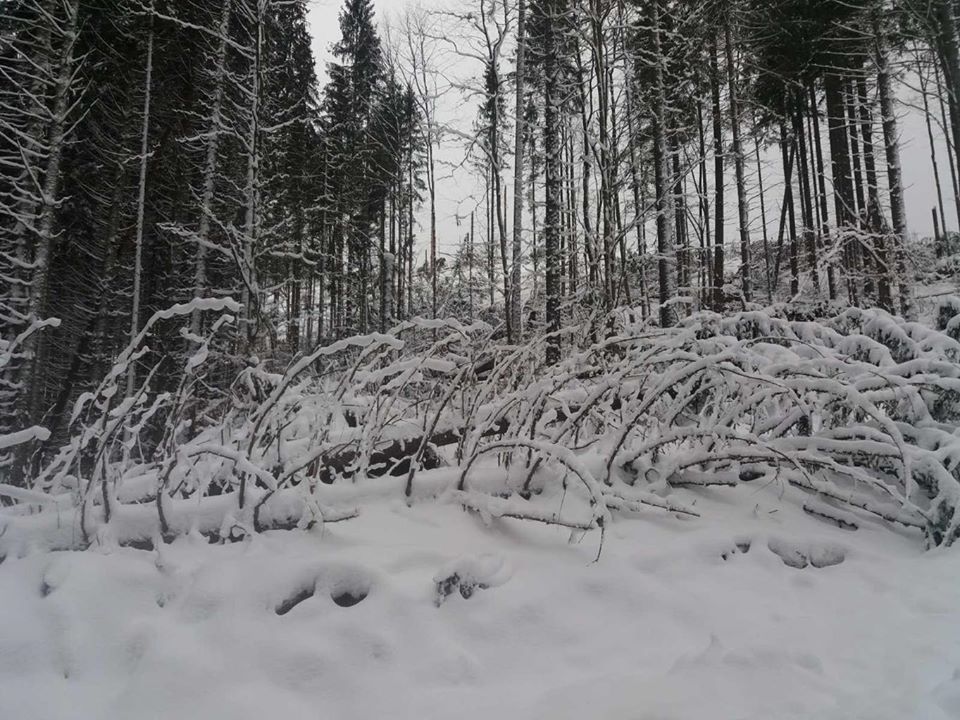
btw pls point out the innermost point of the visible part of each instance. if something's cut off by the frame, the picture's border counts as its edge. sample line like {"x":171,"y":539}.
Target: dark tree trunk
{"x":551,"y":149}
{"x":822,"y":193}
{"x":718,"y":154}
{"x":742,"y":200}
{"x":806,"y":199}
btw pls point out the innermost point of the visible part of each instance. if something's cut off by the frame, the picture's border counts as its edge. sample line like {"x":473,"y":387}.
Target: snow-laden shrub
{"x":858,"y":409}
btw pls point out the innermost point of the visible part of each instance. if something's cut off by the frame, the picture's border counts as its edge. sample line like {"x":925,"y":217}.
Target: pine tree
{"x":354,"y":88}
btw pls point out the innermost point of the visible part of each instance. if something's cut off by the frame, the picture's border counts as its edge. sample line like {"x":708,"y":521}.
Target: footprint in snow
{"x":346,"y":587}
{"x":469,"y":573}
{"x":801,"y":555}
{"x":53,"y":576}
{"x":740,"y":546}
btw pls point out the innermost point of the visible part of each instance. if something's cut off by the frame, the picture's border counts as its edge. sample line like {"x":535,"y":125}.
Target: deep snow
{"x":676,"y":620}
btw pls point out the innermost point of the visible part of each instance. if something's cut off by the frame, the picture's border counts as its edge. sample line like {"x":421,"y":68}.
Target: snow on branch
{"x":858,"y":410}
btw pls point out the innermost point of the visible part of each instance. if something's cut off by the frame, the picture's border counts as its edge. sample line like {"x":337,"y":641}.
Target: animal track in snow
{"x":347,"y":586}
{"x":800,"y":556}
{"x":740,"y":546}
{"x":468,"y":574}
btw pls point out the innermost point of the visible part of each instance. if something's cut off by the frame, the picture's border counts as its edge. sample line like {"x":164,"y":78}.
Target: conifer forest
{"x":480,"y":358}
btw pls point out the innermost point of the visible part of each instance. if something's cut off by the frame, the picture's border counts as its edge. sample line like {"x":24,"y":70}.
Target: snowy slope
{"x":678,"y":619}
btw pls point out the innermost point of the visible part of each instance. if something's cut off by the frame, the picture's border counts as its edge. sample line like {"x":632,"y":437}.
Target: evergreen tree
{"x":350,"y":101}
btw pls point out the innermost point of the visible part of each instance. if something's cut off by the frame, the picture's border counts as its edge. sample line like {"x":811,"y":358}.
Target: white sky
{"x":458,"y":190}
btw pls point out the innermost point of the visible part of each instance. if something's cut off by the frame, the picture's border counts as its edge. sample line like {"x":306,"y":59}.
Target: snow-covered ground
{"x":680,"y":618}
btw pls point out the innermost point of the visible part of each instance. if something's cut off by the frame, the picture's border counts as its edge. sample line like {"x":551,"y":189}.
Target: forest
{"x":237,"y":302}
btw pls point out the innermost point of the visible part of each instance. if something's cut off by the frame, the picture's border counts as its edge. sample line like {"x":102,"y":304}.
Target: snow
{"x":679,"y":618}
{"x":741,"y":517}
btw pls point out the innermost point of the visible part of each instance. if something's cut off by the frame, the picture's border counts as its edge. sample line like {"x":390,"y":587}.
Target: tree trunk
{"x":950,"y":139}
{"x":210,"y":162}
{"x":706,"y":260}
{"x":891,"y":140}
{"x":718,"y":153}
{"x":822,"y":194}
{"x":518,"y":146}
{"x":791,"y":212}
{"x":249,"y":293}
{"x":551,"y":150}
{"x":806,"y":197}
{"x":665,"y":230}
{"x":763,"y":224}
{"x":39,"y":288}
{"x":946,"y":44}
{"x":680,"y":222}
{"x":742,"y":199}
{"x":141,"y":205}
{"x":924,"y":83}
{"x":840,"y":159}
{"x":875,"y":220}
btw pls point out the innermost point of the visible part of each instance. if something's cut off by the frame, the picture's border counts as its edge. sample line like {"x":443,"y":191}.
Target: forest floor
{"x":680,"y":618}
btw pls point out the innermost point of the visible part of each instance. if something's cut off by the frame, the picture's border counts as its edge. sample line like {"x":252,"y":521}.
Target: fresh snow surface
{"x":680,"y":618}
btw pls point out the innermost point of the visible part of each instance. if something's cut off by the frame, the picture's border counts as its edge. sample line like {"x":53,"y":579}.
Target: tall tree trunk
{"x":39,"y":286}
{"x":891,"y":141}
{"x":210,"y":162}
{"x":665,"y":231}
{"x":605,"y":161}
{"x":844,"y":202}
{"x":924,"y":83}
{"x":141,"y":203}
{"x":249,"y":292}
{"x":951,"y":141}
{"x":946,"y":44}
{"x":432,"y":193}
{"x":850,"y":96}
{"x":518,"y":146}
{"x":384,"y":266}
{"x":588,"y":235}
{"x":718,"y":181}
{"x":706,"y":260}
{"x":791,"y":212}
{"x":410,"y":244}
{"x":938,"y":244}
{"x":742,"y":199}
{"x":471,"y":268}
{"x":763,"y":223}
{"x":875,"y":220}
{"x":108,"y":278}
{"x":787,"y":156}
{"x":806,"y":199}
{"x":572,"y":214}
{"x":551,"y":151}
{"x":680,"y":221}
{"x":499,"y":215}
{"x":822,"y":194}
{"x":488,"y":209}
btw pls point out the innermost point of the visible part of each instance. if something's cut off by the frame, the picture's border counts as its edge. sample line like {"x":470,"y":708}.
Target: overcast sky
{"x":458,"y":190}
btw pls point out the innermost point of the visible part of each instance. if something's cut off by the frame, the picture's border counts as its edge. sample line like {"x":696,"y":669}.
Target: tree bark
{"x":551,"y":149}
{"x":718,"y":176}
{"x":742,"y":199}
{"x":141,"y":204}
{"x":891,"y":139}
{"x":806,"y":203}
{"x":875,"y":220}
{"x":210,"y":162}
{"x":665,"y":231}
{"x":822,"y":194}
{"x":518,"y":147}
